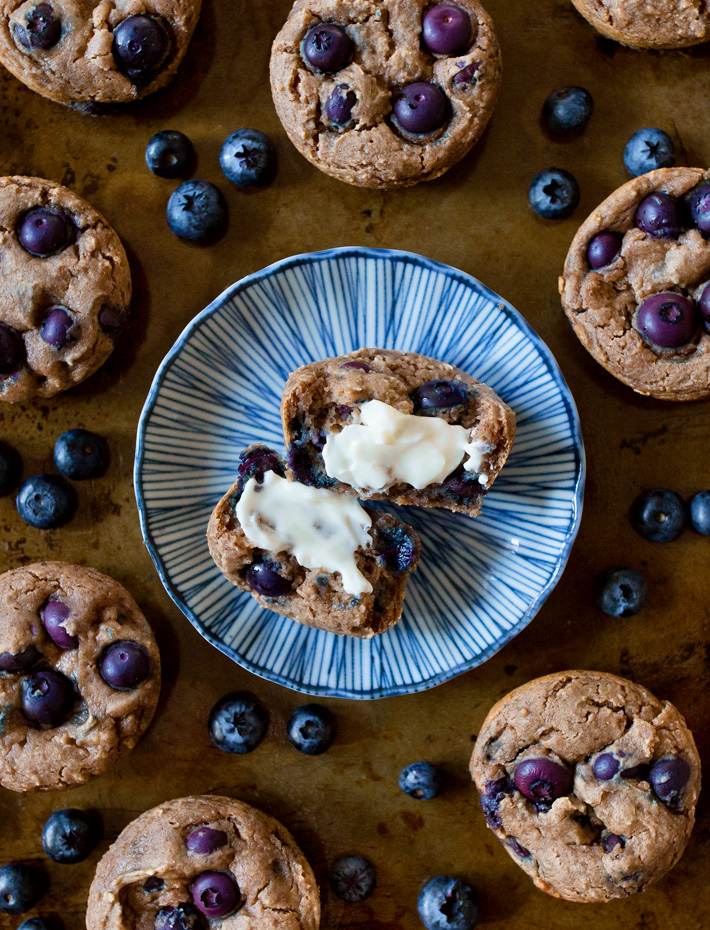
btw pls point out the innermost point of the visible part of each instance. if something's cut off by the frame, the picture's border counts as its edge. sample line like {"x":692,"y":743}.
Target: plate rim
{"x":173,"y":353}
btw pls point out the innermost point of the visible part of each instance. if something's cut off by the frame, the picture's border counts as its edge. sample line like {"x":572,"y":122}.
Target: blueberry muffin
{"x":306,"y":553}
{"x":64,"y":290}
{"x":204,"y":862}
{"x":635,"y":284}
{"x":385,"y":93}
{"x":86,"y":53}
{"x":649,"y":23}
{"x":590,"y":783}
{"x":79,"y":675}
{"x":396,"y":426}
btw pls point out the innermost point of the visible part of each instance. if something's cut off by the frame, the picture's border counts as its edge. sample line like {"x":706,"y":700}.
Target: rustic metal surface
{"x":477,"y":219}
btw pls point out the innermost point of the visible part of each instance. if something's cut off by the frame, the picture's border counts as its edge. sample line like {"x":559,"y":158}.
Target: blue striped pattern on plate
{"x":479,"y":581}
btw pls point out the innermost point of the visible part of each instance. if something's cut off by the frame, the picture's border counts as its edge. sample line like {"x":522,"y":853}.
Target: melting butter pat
{"x":320,"y":529}
{"x":384,"y":447}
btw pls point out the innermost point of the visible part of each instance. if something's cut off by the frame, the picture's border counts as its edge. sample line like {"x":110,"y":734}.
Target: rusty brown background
{"x":477,"y":219}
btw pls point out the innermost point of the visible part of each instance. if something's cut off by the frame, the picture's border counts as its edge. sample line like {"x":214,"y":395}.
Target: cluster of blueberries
{"x":554,"y":192}
{"x":197,"y":210}
{"x":658,"y":515}
{"x":68,"y":836}
{"x":238,"y":723}
{"x":50,"y":501}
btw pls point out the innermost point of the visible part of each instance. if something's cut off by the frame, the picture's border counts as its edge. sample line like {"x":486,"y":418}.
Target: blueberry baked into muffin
{"x":64,"y":290}
{"x":202,"y":862}
{"x":653,"y":24}
{"x":79,"y":675}
{"x":396,"y":426}
{"x":385,"y":93}
{"x":306,"y":553}
{"x":86,"y":53}
{"x":636,"y":284}
{"x":590,"y":783}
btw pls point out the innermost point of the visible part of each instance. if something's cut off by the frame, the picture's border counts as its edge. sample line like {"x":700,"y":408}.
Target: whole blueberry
{"x":248,"y":157}
{"x":80,"y":454}
{"x":658,"y":215}
{"x":352,"y":878}
{"x":647,"y":150}
{"x":396,"y":548}
{"x":21,"y":887}
{"x":554,"y":193}
{"x":44,"y":232}
{"x":12,"y":350}
{"x":421,"y":781}
{"x":339,"y":105}
{"x":140,"y":46}
{"x":668,"y":778}
{"x":10,"y":468}
{"x":658,"y":515}
{"x":197,"y":211}
{"x":542,"y":781}
{"x":47,"y":697}
{"x":621,"y":592}
{"x":466,"y":76}
{"x":237,"y":723}
{"x":266,"y":581}
{"x":491,"y":798}
{"x":606,"y":766}
{"x":463,"y":484}
{"x":46,"y":501}
{"x":356,"y":366}
{"x":447,"y":903}
{"x":71,"y":835}
{"x":668,"y":320}
{"x":20,"y":661}
{"x":611,"y":841}
{"x":54,"y":614}
{"x":256,"y":461}
{"x":311,"y":729}
{"x":567,"y":110}
{"x":42,"y":28}
{"x":699,"y":206}
{"x":180,"y":917}
{"x":327,"y":47}
{"x":421,"y":108}
{"x":124,"y":665}
{"x":111,"y":320}
{"x":58,"y":328}
{"x":439,"y":395}
{"x":704,"y":304}
{"x":604,"y":249}
{"x":700,"y":512}
{"x":170,"y":154}
{"x":205,"y":840}
{"x":216,"y":894}
{"x":446,"y":29}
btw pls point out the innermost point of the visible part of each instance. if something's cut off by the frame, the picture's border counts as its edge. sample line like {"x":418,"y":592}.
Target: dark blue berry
{"x":46,"y":501}
{"x":205,"y":840}
{"x":554,"y":193}
{"x":237,"y":723}
{"x":520,"y":851}
{"x":153,"y":884}
{"x":80,"y":454}
{"x":140,"y":46}
{"x":215,"y":893}
{"x":704,"y":304}
{"x":44,"y":232}
{"x":21,"y":887}
{"x":248,"y":158}
{"x":256,"y":461}
{"x":396,"y":548}
{"x":658,"y":215}
{"x":647,"y":150}
{"x":421,"y":108}
{"x":10,"y":468}
{"x":439,"y":395}
{"x":54,"y":614}
{"x":700,"y":512}
{"x":266,"y":581}
{"x":170,"y":154}
{"x":47,"y":697}
{"x":658,"y":515}
{"x":41,"y":923}
{"x":352,"y":878}
{"x":495,"y":792}
{"x":421,"y":780}
{"x":467,"y":76}
{"x":197,"y":211}
{"x":124,"y":665}
{"x":447,"y":903}
{"x":339,"y":105}
{"x":699,"y":206}
{"x":603,"y":249}
{"x":611,"y":841}
{"x":356,"y":366}
{"x":111,"y":320}
{"x":606,"y":766}
{"x":180,"y":917}
{"x":20,"y":661}
{"x":12,"y":350}
{"x":327,"y":47}
{"x":542,"y":781}
{"x":42,"y":28}
{"x":668,"y":778}
{"x":58,"y":328}
{"x":621,"y":592}
{"x":446,"y":29}
{"x":311,"y":729}
{"x":567,"y":110}
{"x":71,"y":835}
{"x":668,"y":320}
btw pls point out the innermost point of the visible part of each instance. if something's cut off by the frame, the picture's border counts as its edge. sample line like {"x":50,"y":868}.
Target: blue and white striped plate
{"x":479,"y":581}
